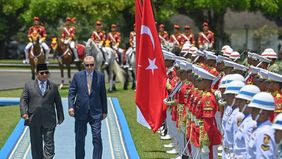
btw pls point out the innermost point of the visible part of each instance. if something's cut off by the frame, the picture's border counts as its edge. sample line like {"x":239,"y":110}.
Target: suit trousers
{"x":37,"y":135}
{"x":80,"y":134}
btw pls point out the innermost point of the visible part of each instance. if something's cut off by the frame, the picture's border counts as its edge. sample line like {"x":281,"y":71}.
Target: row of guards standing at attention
{"x":218,"y":107}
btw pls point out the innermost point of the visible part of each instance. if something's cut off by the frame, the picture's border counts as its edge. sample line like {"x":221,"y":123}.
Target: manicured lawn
{"x":148,"y":144}
{"x":9,"y":118}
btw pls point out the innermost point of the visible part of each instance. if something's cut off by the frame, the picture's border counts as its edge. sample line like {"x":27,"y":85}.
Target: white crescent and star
{"x":147,"y":30}
{"x":152,"y":63}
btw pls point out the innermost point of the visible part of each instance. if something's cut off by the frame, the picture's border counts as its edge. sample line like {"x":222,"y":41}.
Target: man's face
{"x":113,"y":29}
{"x":176,"y":30}
{"x":42,"y":75}
{"x":161,"y":29}
{"x":187,"y":30}
{"x":36,"y":23}
{"x":229,"y":98}
{"x":98,"y":27}
{"x":205,"y":28}
{"x":89,"y":64}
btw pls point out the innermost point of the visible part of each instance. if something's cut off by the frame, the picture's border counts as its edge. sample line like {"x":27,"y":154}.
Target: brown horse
{"x":65,"y":58}
{"x":36,"y":54}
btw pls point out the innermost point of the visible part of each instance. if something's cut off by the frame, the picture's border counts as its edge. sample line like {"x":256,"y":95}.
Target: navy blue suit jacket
{"x":80,"y":100}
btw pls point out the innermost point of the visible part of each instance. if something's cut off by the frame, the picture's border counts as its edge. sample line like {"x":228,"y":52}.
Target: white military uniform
{"x":227,"y":112}
{"x":262,"y":143}
{"x":229,"y":132}
{"x":242,"y":136}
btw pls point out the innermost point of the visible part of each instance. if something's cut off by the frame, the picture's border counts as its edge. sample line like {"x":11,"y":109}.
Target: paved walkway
{"x":113,"y":142}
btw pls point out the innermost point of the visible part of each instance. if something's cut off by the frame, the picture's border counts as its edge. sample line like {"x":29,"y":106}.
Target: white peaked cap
{"x":263,"y":73}
{"x":205,"y":74}
{"x":269,"y":53}
{"x":228,"y":63}
{"x":168,"y":55}
{"x":275,"y":76}
{"x":189,"y":66}
{"x":263,"y":100}
{"x":277,"y":124}
{"x":210,"y":56}
{"x":240,"y":67}
{"x":220,"y":58}
{"x":247,"y":92}
{"x":200,"y":53}
{"x":234,"y":87}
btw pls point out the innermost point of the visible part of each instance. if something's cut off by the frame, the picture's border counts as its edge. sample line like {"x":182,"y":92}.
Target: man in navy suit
{"x":88,"y":104}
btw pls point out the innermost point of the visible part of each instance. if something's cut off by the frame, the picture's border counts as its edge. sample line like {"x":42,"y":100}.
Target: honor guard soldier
{"x":35,"y":31}
{"x":230,"y":127}
{"x":98,"y":35}
{"x":68,"y":36}
{"x":163,"y":35}
{"x":206,"y":38}
{"x":130,"y":50}
{"x":244,"y":120}
{"x":274,"y":87}
{"x":211,"y":62}
{"x":114,"y":37}
{"x":262,"y":142}
{"x":209,"y":136}
{"x":188,"y":36}
{"x":166,"y":128}
{"x":176,"y":37}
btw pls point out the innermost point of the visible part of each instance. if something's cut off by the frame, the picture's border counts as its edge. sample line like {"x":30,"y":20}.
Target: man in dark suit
{"x":88,"y":104}
{"x":39,"y":103}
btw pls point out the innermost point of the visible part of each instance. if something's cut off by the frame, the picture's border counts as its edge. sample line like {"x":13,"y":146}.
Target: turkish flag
{"x":151,"y":78}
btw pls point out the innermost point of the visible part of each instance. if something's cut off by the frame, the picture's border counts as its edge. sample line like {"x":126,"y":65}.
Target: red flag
{"x":151,"y":78}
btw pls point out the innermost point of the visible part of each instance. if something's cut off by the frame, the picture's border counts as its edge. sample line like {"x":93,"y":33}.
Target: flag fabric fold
{"x":151,"y":74}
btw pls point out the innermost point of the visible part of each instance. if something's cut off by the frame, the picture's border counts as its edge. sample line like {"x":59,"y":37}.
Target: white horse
{"x":113,"y":68}
{"x":107,"y":60}
{"x":130,"y":67}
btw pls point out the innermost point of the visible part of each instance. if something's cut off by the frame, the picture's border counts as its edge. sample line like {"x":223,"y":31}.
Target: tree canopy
{"x":16,"y":15}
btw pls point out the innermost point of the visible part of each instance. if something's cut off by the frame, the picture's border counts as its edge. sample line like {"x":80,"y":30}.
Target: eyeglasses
{"x":87,"y":65}
{"x":44,"y":72}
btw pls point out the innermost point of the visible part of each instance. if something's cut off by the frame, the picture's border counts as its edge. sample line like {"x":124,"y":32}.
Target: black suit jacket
{"x":82,"y":102}
{"x":41,"y":109}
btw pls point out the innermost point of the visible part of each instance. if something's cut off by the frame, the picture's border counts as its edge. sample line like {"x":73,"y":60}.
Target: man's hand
{"x":71,"y":112}
{"x":25,"y":116}
{"x":104,"y":115}
{"x":60,"y":122}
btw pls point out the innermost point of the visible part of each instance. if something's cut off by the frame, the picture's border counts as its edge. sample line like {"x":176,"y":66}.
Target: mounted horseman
{"x":34,"y":32}
{"x":206,"y":38}
{"x":68,"y":36}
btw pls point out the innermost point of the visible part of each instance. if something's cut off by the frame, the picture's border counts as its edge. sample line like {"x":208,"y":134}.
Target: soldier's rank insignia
{"x":266,"y":141}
